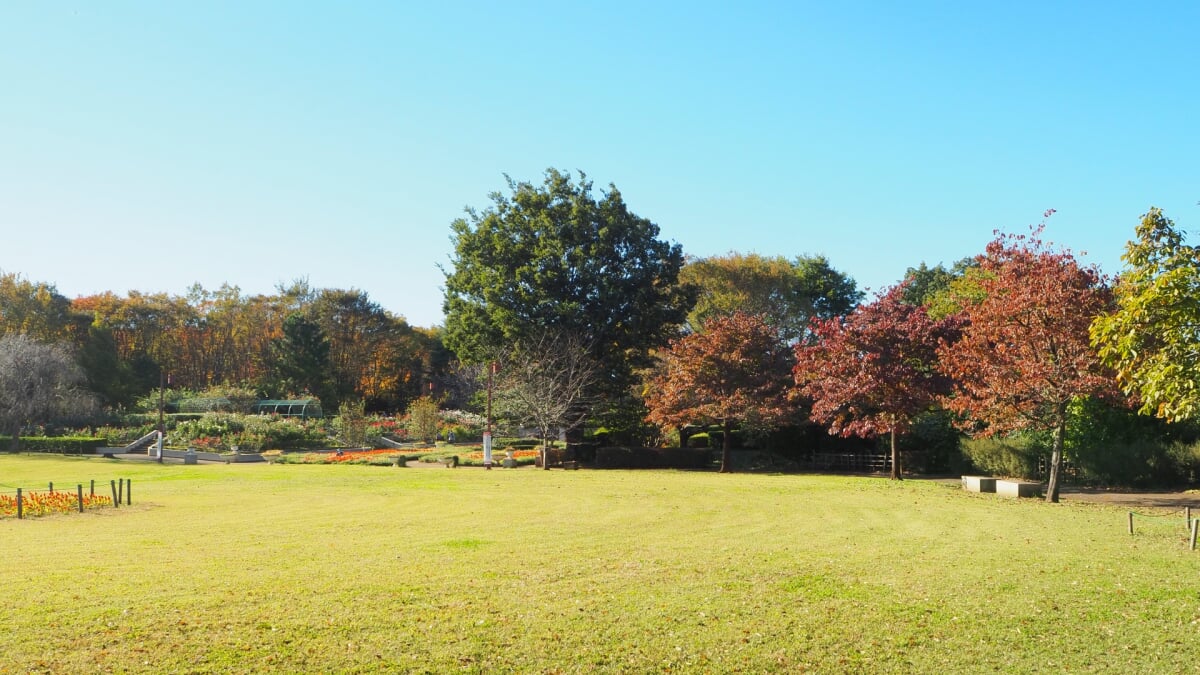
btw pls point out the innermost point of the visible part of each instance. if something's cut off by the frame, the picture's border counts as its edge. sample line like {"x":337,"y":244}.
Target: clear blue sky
{"x":151,"y":145}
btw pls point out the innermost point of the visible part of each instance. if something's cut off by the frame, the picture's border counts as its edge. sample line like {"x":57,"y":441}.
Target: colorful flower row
{"x":43,"y":503}
{"x":517,"y":454}
{"x":346,"y":456}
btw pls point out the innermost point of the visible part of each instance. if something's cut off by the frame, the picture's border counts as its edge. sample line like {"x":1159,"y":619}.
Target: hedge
{"x":75,"y":445}
{"x":652,"y":458}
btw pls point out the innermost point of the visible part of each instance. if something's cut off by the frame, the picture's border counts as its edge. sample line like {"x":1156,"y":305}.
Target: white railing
{"x":153,"y":436}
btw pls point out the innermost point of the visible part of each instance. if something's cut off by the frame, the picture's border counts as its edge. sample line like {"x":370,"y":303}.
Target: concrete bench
{"x":979,"y":483}
{"x":1015,"y":488}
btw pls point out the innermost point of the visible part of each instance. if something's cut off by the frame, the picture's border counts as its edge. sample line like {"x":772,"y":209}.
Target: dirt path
{"x":1128,"y":498}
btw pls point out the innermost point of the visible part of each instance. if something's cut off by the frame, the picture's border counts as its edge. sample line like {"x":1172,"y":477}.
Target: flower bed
{"x":44,"y":503}
{"x":477,"y":457}
{"x":378,"y":457}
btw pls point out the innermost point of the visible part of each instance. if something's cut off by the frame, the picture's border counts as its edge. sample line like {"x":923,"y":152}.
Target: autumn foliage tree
{"x":735,"y":370}
{"x":1024,"y":354}
{"x":873,"y":371}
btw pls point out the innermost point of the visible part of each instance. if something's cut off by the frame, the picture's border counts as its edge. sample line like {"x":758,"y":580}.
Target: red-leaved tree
{"x":873,"y":371}
{"x":1024,"y":353}
{"x":735,"y":370}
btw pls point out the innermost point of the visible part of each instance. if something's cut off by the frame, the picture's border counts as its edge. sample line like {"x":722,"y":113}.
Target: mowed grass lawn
{"x":285,"y":568}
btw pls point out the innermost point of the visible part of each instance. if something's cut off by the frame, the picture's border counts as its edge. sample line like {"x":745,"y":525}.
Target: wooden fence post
{"x":128,"y":492}
{"x":117,"y":500}
{"x":20,"y":506}
{"x":51,"y":486}
{"x":1195,"y":526}
{"x":1131,"y":522}
{"x":120,"y":489}
{"x":93,"y":487}
{"x":79,"y":492}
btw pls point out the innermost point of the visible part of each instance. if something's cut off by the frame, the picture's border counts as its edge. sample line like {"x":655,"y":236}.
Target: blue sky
{"x":152,"y":145}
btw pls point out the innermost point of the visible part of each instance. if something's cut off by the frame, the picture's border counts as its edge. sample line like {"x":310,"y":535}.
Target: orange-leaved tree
{"x":874,"y":370}
{"x":1025,"y":354}
{"x":735,"y":370}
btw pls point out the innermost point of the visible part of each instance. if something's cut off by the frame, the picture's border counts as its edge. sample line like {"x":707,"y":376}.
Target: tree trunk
{"x":726,"y":446}
{"x":684,"y":434}
{"x":14,"y":444}
{"x":896,"y":473}
{"x":1056,"y":455}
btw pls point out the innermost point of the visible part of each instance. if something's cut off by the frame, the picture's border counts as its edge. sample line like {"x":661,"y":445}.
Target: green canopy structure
{"x":302,"y":408}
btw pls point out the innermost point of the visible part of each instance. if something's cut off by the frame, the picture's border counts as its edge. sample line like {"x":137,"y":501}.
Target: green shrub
{"x":251,"y":432}
{"x":1011,"y":457}
{"x":1186,"y":459}
{"x":73,"y":445}
{"x":462,"y":434}
{"x":1113,"y":445}
{"x":151,"y":419}
{"x":698,"y":440}
{"x":652,"y":458}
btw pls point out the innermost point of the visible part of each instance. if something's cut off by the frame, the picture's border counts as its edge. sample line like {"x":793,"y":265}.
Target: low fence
{"x":849,"y":461}
{"x":20,"y":502}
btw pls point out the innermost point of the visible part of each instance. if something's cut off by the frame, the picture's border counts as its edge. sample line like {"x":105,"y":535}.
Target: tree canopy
{"x":1024,"y":354}
{"x":735,"y":370}
{"x":38,"y":382}
{"x":545,"y":383}
{"x":875,"y":370}
{"x":555,"y":257}
{"x":1152,"y":338}
{"x":788,"y":294}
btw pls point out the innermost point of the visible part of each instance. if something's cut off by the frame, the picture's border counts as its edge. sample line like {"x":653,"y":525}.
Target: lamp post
{"x":161,"y":428}
{"x":487,"y":432}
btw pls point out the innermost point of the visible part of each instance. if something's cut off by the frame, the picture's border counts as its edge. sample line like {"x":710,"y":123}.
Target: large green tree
{"x":788,"y":294}
{"x":1152,"y":338}
{"x":555,"y":257}
{"x":301,"y":359}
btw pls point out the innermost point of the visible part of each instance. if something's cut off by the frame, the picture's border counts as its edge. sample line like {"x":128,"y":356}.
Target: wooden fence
{"x":51,"y":500}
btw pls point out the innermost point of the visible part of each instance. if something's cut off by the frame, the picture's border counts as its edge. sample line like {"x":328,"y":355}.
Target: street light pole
{"x":161,"y":428}
{"x":487,"y":432}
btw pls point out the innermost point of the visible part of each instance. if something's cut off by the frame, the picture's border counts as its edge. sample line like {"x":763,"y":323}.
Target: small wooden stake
{"x":20,"y":506}
{"x":79,"y":493}
{"x":120,"y":489}
{"x":1131,"y":522}
{"x":117,"y":500}
{"x":1195,"y":526}
{"x":93,"y":487}
{"x":128,"y":491}
{"x":51,"y":486}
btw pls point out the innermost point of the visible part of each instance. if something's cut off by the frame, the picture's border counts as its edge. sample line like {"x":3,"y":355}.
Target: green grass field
{"x":291,"y":568}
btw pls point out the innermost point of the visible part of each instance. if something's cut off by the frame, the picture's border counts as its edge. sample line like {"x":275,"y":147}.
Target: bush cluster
{"x":652,"y":458}
{"x":74,"y":445}
{"x":251,"y":432}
